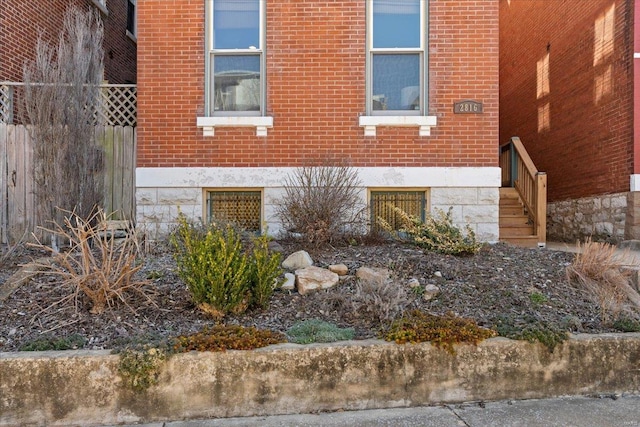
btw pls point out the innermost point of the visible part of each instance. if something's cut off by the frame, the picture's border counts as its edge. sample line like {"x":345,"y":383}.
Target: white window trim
{"x":372,"y":119}
{"x":133,"y":36}
{"x":208,"y":124}
{"x":425,"y":123}
{"x":102,"y":5}
{"x":231,"y":119}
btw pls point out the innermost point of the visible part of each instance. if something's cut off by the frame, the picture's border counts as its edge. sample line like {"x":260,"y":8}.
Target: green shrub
{"x":626,"y":324}
{"x":227,"y":337}
{"x":264,"y":272}
{"x":316,"y":330}
{"x":536,"y":331}
{"x":223,"y":273}
{"x":140,"y":369}
{"x":442,"y":331}
{"x":436,"y":233}
{"x":71,"y":342}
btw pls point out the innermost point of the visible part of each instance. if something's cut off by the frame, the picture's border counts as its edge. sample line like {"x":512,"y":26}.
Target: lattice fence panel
{"x":6,"y":104}
{"x":238,"y":207}
{"x":119,"y":105}
{"x":383,"y":203}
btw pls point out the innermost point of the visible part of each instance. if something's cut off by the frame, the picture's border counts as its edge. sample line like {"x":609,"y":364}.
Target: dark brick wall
{"x":588,"y":147}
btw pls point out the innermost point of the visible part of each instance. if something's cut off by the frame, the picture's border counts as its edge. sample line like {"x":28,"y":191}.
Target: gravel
{"x":501,"y":284}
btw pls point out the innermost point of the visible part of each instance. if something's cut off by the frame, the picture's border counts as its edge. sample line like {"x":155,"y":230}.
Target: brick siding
{"x":21,"y":21}
{"x":315,"y":56}
{"x":588,"y":148}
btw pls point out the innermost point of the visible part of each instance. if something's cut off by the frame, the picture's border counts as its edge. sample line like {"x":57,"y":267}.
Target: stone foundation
{"x":603,"y":218}
{"x":472,"y":194}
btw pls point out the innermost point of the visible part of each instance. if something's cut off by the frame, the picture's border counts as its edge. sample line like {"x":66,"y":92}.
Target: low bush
{"x":532,"y":330}
{"x":140,"y":369}
{"x":437,"y":233}
{"x":380,"y":300}
{"x":227,"y":337}
{"x":71,"y":342}
{"x":96,"y":265}
{"x":316,"y":330}
{"x":442,"y":331}
{"x":322,"y":204}
{"x":221,"y":272}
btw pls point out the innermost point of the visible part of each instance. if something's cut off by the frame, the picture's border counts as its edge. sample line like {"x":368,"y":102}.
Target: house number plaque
{"x":467,"y":107}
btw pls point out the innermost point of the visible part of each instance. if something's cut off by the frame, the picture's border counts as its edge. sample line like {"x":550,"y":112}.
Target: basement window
{"x":384,"y":203}
{"x":242,"y":208}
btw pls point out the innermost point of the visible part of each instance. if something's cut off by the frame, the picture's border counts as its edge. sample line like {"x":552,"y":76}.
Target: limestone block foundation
{"x":84,"y":387}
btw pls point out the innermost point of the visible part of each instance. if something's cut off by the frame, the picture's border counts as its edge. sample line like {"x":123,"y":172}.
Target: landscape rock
{"x":297,"y":260}
{"x":430,"y":292}
{"x":339,"y":269}
{"x":313,"y":278}
{"x":289,"y":282}
{"x":413,"y":283}
{"x":373,"y":274}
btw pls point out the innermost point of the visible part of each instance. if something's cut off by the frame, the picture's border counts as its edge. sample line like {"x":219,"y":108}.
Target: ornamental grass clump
{"x":437,"y":233}
{"x":442,"y":331}
{"x":223,"y":273}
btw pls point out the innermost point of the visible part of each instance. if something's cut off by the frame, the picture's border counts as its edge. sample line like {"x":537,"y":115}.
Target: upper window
{"x":236,"y":58}
{"x":397,"y":60}
{"x":132,"y":30}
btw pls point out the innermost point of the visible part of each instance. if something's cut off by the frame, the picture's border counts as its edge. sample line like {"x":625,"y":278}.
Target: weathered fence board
{"x":16,"y":180}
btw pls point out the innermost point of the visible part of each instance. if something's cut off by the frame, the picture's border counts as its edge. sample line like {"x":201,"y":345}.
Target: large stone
{"x":373,"y":274}
{"x":339,"y":269}
{"x":297,"y":260}
{"x":289,"y":282}
{"x":313,"y":278}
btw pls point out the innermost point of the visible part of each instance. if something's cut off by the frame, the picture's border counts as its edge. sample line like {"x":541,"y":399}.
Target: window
{"x":242,"y":208}
{"x":397,"y":66}
{"x":132,"y":30}
{"x":236,"y":58}
{"x":396,"y":57}
{"x":383,"y":204}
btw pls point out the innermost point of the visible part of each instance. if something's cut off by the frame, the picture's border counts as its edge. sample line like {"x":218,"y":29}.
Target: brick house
{"x":569,"y":90}
{"x":235,"y":94}
{"x":21,"y":21}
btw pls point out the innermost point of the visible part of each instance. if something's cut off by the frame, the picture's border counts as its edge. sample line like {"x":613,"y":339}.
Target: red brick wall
{"x":316,"y":88}
{"x":21,"y":21}
{"x":588,"y":149}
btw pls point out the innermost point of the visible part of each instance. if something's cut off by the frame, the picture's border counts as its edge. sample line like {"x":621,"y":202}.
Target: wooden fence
{"x":17,"y":214}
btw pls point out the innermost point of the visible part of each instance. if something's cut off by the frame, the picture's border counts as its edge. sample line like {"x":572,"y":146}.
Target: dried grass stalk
{"x":598,"y":269}
{"x":96,"y":265}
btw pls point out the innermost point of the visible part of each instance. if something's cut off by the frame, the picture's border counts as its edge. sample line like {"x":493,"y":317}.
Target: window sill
{"x":101,"y":6}
{"x":261,"y":123}
{"x":132,"y":36}
{"x":370,"y":123}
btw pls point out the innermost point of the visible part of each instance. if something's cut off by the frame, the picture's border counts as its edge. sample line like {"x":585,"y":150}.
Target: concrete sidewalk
{"x":614,"y":411}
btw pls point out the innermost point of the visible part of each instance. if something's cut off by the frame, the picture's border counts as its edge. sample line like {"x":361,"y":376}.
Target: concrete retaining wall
{"x":83,"y":387}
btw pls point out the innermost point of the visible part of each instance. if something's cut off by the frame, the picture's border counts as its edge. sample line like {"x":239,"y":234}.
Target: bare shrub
{"x":598,"y":270}
{"x":96,"y":265}
{"x":61,"y":98}
{"x":322,"y":204}
{"x":380,"y":300}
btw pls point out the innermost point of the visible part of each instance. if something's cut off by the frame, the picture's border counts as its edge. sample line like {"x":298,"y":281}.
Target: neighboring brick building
{"x":236,"y":101}
{"x":21,"y":21}
{"x":567,"y":90}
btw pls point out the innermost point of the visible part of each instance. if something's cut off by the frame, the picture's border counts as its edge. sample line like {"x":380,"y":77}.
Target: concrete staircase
{"x":515,"y":225}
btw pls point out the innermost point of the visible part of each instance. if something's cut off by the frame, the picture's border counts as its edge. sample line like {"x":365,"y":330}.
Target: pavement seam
{"x":453,"y":411}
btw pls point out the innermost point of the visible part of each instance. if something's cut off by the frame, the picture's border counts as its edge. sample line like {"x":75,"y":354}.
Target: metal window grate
{"x":239,"y":207}
{"x":383,"y":203}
